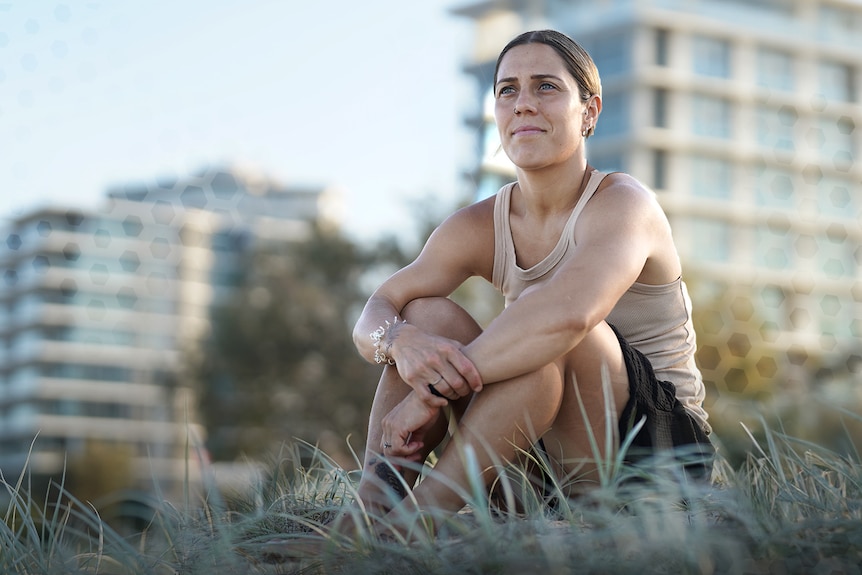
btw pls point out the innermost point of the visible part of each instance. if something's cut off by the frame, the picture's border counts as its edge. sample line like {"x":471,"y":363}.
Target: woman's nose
{"x":525,"y":102}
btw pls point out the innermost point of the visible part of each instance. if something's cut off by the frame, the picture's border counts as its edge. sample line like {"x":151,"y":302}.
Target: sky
{"x":367,"y":97}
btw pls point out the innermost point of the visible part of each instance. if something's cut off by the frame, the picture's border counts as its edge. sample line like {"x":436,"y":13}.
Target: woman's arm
{"x":622,"y":236}
{"x":461,"y":247}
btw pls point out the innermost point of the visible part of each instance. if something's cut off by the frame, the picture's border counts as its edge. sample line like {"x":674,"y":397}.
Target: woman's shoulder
{"x":620,"y":187}
{"x":623,"y":181}
{"x":471,"y":226}
{"x":623,"y":201}
{"x":478,"y":214}
{"x":466,"y":237}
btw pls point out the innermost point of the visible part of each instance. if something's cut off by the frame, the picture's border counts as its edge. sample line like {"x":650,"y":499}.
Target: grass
{"x":791,"y":507}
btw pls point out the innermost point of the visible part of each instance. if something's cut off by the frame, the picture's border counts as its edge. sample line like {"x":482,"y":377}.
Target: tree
{"x":280,"y":363}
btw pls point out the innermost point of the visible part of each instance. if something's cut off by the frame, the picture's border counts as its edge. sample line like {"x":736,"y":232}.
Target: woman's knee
{"x":441,"y":316}
{"x":600,"y":348}
{"x":597,"y":361}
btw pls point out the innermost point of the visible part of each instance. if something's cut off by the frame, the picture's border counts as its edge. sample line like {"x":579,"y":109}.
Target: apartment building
{"x":98,"y":307}
{"x":745,"y":118}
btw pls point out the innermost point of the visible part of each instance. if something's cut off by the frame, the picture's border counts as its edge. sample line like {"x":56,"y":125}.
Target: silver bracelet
{"x":381,"y":346}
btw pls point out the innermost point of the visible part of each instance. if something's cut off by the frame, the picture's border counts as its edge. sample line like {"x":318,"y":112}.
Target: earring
{"x":584,"y":131}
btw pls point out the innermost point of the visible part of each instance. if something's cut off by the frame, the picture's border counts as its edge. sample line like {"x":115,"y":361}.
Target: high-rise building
{"x":745,"y":118}
{"x":97,"y":308}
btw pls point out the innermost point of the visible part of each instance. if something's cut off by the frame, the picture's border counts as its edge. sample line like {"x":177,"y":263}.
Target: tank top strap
{"x":504,"y":250}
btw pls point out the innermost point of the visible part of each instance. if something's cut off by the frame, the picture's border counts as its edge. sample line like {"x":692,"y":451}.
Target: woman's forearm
{"x":527,"y":335}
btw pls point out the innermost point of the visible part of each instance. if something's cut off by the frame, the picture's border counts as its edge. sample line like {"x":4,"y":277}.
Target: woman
{"x":589,"y":272}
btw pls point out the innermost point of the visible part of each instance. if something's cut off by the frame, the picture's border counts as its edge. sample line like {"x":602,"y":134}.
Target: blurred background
{"x":198,"y":197}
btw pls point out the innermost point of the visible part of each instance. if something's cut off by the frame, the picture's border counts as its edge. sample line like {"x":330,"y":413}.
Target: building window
{"x":835,"y":319}
{"x":773,"y":248}
{"x":615,"y":115}
{"x":490,"y":184}
{"x":775,"y":70}
{"x":834,"y":198}
{"x":611,"y":53}
{"x":836,"y":81}
{"x":775,"y":128}
{"x":21,"y":414}
{"x":711,"y":177}
{"x":774,"y":188}
{"x":710,"y":116}
{"x":608,"y":162}
{"x":659,"y":171}
{"x":834,"y":141}
{"x":84,"y":371}
{"x":710,"y":57}
{"x":660,"y":108}
{"x":839,"y":24}
{"x":835,"y":255}
{"x":662,"y":38}
{"x":711,"y":239}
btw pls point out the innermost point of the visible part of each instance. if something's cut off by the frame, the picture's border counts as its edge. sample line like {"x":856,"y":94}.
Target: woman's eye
{"x":547,"y":86}
{"x":505,"y":90}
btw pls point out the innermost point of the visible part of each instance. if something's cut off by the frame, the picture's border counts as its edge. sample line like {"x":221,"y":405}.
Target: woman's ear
{"x":594,"y":108}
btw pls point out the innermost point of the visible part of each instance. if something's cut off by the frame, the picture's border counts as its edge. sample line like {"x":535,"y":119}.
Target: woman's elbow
{"x":576,"y":324}
{"x":358,"y":336}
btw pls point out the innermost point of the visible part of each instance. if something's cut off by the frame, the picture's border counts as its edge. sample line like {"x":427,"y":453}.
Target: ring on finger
{"x":434,"y":391}
{"x":387,"y":445}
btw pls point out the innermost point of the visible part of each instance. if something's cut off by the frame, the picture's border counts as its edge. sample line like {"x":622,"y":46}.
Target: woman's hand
{"x":425,"y":361}
{"x":404,"y":427}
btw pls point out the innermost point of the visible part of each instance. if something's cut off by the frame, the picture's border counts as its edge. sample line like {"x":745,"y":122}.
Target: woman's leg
{"x":501,"y":421}
{"x":380,"y":488}
{"x":568,"y":442}
{"x":507,"y":417}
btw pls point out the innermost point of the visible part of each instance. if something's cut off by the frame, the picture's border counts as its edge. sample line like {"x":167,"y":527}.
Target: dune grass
{"x":791,"y":507}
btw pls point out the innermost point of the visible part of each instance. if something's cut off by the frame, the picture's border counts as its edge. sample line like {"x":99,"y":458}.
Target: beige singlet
{"x":654,"y":319}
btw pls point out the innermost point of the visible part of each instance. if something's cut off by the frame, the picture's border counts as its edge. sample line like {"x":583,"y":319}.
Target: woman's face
{"x":546,"y":130}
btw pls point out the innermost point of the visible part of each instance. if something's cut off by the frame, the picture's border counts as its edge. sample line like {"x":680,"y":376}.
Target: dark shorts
{"x":667,"y":426}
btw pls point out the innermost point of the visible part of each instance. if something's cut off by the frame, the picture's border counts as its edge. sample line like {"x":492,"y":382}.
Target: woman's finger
{"x":455,"y":383}
{"x":432,"y":387}
{"x":460,"y":373}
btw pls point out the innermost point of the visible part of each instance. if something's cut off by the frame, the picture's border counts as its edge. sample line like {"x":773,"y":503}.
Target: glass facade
{"x":835,"y":198}
{"x":834,"y":139}
{"x":775,"y":69}
{"x":773,"y":248}
{"x":614,"y":119}
{"x":711,"y":177}
{"x":611,"y":53}
{"x":836,"y":81}
{"x":711,"y":243}
{"x":660,"y":111}
{"x":839,"y":24}
{"x":711,"y":116}
{"x":710,"y":57}
{"x":661,"y":46}
{"x":659,"y":169}
{"x":776,"y":127}
{"x":774,"y":188}
{"x":836,"y":256}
